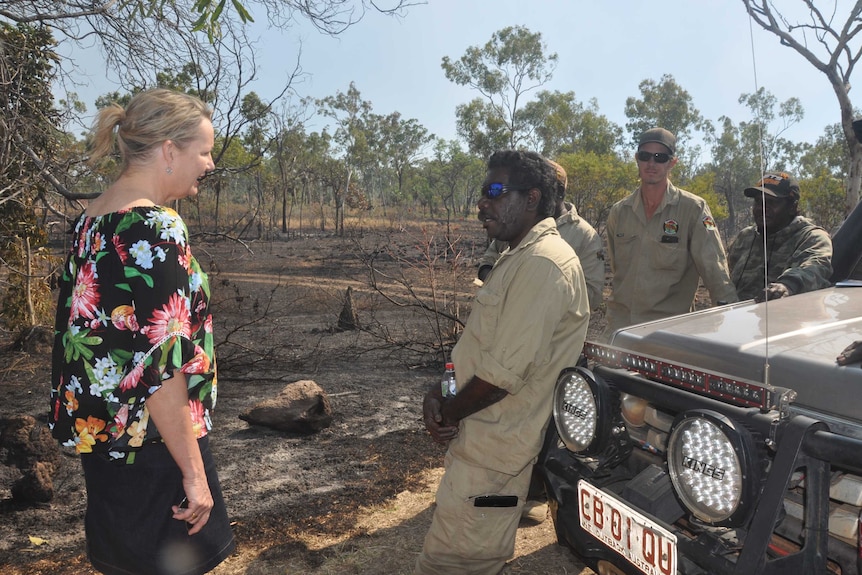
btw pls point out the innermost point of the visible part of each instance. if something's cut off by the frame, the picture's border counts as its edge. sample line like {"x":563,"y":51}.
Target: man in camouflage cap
{"x":798,"y":253}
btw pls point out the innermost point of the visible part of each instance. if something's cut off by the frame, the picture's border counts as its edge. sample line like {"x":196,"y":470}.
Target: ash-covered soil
{"x":354,"y":498}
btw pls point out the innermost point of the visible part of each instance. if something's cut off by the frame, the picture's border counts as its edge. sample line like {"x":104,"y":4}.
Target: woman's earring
{"x":169,"y":170}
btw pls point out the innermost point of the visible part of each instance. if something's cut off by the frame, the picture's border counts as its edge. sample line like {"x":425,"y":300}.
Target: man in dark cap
{"x":661,"y":241}
{"x":798,"y":255}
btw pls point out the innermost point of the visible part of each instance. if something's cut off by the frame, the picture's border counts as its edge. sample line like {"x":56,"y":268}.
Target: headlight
{"x":711,"y":465}
{"x":633,"y":409}
{"x":582,"y":411}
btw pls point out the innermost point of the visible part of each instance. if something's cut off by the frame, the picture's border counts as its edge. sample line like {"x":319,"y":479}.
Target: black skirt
{"x":129,"y":525}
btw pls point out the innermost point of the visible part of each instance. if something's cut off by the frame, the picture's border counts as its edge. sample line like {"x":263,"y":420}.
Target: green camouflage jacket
{"x":799,"y":256}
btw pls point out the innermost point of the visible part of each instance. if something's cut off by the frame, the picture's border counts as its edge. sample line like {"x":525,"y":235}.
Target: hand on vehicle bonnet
{"x":851,"y":354}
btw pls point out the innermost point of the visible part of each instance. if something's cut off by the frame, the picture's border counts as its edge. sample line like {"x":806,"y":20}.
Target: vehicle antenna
{"x":762,"y":212}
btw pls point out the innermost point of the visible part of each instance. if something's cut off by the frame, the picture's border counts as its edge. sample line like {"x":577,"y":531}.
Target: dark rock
{"x":36,"y":485}
{"x":302,"y":407}
{"x":24,"y":442}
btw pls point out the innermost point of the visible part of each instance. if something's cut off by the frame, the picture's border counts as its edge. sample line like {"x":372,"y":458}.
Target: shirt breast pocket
{"x":488,"y":309}
{"x":665,"y":255}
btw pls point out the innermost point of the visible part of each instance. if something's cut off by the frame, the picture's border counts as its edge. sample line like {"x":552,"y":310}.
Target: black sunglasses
{"x":659,"y":157}
{"x":495,"y":190}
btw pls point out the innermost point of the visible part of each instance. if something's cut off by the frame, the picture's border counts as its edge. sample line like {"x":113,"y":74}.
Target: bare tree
{"x":829,"y":43}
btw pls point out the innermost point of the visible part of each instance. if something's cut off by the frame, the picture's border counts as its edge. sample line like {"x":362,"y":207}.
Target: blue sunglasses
{"x":495,"y":190}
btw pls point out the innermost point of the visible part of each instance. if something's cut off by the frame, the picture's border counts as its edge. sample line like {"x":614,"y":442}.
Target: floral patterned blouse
{"x":133,"y":308}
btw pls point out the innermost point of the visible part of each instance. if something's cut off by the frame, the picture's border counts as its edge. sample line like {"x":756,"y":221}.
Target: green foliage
{"x":561,"y":125}
{"x":454,"y":177}
{"x":482,"y":127}
{"x":596,"y":182}
{"x":703,"y":185}
{"x":209,"y":13}
{"x":822,"y":199}
{"x":828,"y":154}
{"x":666,"y":104}
{"x":512,"y":63}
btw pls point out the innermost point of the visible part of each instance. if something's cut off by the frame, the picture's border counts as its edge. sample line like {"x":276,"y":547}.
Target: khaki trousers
{"x":469,"y":540}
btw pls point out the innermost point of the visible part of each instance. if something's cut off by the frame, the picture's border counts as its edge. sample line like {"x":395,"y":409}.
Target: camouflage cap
{"x":776,"y":185}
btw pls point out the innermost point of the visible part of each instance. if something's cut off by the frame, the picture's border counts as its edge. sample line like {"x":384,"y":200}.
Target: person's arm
{"x":169,"y":410}
{"x":475,"y":396}
{"x":810,"y":265}
{"x":442,"y":415}
{"x":593,"y":264}
{"x":709,"y":258}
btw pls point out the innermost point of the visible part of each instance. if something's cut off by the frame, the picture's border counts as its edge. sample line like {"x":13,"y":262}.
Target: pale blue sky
{"x":605,"y":48}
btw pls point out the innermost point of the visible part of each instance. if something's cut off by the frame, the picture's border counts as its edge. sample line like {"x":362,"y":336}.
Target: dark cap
{"x":661,"y":136}
{"x":776,"y":185}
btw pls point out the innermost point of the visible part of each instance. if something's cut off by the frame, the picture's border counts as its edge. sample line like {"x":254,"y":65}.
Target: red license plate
{"x":646,"y":544}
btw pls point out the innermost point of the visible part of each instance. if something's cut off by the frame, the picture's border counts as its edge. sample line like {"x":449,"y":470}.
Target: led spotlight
{"x":582,"y":411}
{"x":712,"y":466}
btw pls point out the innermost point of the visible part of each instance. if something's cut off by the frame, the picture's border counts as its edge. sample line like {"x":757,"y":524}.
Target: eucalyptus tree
{"x":666,"y":104}
{"x":257,"y":138}
{"x":401,"y":143}
{"x":822,"y":174}
{"x":511,"y":64}
{"x":742,"y":152}
{"x":351,"y":115}
{"x":454,"y":177}
{"x":560,"y":124}
{"x":287,"y":147}
{"x":596,"y":182}
{"x":827,"y":37}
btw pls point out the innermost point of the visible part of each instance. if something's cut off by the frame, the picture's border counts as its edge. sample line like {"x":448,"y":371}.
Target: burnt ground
{"x":354,"y":498}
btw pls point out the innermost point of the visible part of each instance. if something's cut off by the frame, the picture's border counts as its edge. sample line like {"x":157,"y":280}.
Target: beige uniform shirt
{"x":657,"y":263}
{"x":528,"y":323}
{"x":586,"y":242}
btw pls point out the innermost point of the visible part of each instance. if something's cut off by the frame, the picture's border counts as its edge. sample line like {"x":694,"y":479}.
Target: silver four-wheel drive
{"x":722,"y":441}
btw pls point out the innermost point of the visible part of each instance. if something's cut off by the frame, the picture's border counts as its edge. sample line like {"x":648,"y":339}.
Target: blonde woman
{"x":134,"y":377}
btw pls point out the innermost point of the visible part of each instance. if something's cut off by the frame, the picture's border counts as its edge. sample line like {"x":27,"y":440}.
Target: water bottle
{"x":447,"y":385}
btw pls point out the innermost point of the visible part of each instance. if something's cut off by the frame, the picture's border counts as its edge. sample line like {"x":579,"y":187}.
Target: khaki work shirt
{"x":586,"y":242}
{"x":657,"y":262}
{"x":528,"y":322}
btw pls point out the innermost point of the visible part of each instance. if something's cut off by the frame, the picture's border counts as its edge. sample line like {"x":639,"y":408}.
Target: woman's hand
{"x":196,"y":507}
{"x":169,"y":410}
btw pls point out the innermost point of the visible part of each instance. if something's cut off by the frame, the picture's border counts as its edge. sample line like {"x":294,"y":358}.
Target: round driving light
{"x":575,"y":412}
{"x":582,"y":411}
{"x":710,"y":462}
